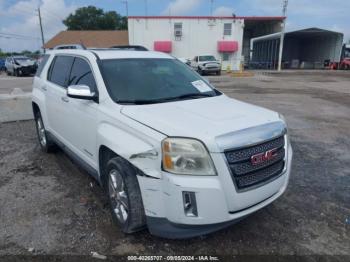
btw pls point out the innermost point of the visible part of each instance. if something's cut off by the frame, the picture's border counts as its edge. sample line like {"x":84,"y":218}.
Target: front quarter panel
{"x":136,"y":143}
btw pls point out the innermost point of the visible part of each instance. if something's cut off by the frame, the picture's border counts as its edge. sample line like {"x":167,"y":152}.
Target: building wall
{"x":199,"y":36}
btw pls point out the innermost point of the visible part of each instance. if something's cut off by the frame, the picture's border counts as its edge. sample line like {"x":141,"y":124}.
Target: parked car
{"x":20,"y":65}
{"x":172,"y":152}
{"x":185,"y":61}
{"x":206,"y":64}
{"x":2,"y":65}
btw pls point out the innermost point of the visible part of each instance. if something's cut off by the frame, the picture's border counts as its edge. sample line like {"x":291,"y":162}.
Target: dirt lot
{"x":49,"y":204}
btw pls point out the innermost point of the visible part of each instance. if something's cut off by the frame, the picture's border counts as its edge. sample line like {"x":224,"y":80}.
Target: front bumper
{"x":26,"y":70}
{"x":219,"y":204}
{"x":211,"y":69}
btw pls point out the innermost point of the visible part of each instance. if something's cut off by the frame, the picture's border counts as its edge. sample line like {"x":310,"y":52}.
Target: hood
{"x":206,"y":119}
{"x":25,"y":62}
{"x":209,"y":62}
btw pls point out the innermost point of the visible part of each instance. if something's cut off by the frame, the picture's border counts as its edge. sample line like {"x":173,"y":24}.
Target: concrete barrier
{"x":15,"y":106}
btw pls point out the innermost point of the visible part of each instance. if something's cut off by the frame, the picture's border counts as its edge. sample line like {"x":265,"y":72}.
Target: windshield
{"x":207,"y":58}
{"x":21,"y":58}
{"x":149,"y":80}
{"x":347,"y":53}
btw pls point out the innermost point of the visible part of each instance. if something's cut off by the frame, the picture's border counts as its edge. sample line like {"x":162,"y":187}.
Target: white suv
{"x":172,"y":152}
{"x":204,"y":64}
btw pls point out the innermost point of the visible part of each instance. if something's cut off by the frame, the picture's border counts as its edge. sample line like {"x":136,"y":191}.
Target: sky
{"x":19,"y":23}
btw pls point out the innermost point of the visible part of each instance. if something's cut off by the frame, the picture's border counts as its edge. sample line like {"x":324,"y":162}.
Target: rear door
{"x":57,"y":102}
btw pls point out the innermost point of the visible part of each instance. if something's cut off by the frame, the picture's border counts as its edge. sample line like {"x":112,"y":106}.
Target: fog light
{"x":190,"y":205}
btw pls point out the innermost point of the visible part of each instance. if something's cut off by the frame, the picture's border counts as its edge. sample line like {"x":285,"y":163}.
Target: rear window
{"x":60,"y":70}
{"x":42,"y":64}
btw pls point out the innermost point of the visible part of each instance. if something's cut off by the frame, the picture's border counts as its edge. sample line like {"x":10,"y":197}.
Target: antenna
{"x":146,"y":7}
{"x":126,"y":7}
{"x":211,"y":7}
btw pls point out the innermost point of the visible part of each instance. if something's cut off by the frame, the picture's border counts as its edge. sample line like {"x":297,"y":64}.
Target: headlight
{"x":185,"y":156}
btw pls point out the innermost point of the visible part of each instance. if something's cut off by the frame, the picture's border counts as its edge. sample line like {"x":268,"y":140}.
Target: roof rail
{"x":130,"y":47}
{"x":70,"y":46}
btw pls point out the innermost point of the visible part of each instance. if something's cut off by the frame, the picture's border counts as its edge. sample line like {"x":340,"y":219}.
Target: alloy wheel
{"x":41,"y":131}
{"x":118,"y":196}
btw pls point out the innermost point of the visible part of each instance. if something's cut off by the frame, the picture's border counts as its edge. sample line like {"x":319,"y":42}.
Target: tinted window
{"x":206,"y":58}
{"x":227,"y":29}
{"x":81,"y":74}
{"x":60,"y":69}
{"x":42,"y":64}
{"x":151,"y":80}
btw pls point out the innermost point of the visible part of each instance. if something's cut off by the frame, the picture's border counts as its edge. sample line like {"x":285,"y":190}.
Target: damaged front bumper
{"x":26,"y":70}
{"x":218,"y":203}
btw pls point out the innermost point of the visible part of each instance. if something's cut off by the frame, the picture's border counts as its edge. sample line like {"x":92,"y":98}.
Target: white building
{"x":227,"y":38}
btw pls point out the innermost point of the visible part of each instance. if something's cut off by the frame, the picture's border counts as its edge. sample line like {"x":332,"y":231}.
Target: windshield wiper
{"x":194,"y":95}
{"x":163,"y":100}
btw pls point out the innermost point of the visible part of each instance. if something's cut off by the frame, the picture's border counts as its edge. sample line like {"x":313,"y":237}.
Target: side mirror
{"x":81,"y":92}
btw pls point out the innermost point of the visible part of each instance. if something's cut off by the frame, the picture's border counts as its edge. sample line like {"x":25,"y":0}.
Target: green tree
{"x":92,"y":18}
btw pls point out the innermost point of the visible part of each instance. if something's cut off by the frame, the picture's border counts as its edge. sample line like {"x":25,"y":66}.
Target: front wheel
{"x":125,"y":196}
{"x":200,"y":71}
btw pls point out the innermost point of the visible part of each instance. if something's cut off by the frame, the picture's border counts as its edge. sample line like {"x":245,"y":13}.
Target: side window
{"x":178,"y":29}
{"x":60,"y":69}
{"x":42,"y":64}
{"x":225,"y":56}
{"x":227,"y":29}
{"x":81,"y":74}
{"x":195,"y":58}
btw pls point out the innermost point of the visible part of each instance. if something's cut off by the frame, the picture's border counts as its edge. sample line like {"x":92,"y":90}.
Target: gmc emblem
{"x":263,"y":157}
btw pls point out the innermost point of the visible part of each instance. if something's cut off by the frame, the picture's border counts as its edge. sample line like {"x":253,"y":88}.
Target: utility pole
{"x":211,"y":7}
{"x":284,"y":12}
{"x":41,"y":29}
{"x":126,"y":7}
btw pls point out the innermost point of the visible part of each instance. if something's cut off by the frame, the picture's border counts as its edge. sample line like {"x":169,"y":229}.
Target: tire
{"x":46,"y":144}
{"x":15,"y":73}
{"x":200,"y":71}
{"x":125,"y":196}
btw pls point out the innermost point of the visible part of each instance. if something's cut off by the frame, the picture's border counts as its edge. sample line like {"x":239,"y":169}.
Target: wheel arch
{"x":35,"y":108}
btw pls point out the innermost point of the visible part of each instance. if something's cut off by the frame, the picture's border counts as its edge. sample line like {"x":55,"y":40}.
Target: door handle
{"x":65,"y":99}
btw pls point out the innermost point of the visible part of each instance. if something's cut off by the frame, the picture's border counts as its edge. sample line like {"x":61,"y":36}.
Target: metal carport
{"x":308,"y":49}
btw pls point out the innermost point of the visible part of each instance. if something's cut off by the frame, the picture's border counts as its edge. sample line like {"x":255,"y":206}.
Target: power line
{"x":51,"y":13}
{"x":18,"y":35}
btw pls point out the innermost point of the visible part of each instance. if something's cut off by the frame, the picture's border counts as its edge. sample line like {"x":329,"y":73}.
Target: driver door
{"x":82,"y":116}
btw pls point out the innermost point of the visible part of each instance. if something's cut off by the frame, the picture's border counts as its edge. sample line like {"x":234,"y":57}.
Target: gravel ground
{"x":49,"y":204}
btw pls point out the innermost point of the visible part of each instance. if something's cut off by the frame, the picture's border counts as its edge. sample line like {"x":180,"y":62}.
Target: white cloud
{"x":223,"y":11}
{"x":181,"y":7}
{"x":22,"y":19}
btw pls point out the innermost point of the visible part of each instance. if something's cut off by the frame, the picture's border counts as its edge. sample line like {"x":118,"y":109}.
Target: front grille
{"x":245,"y":174}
